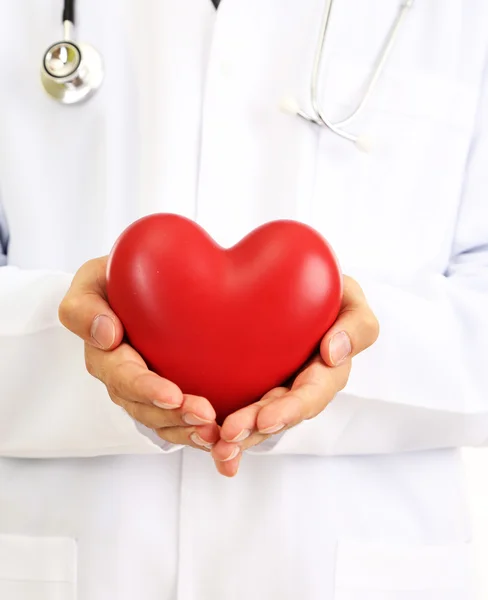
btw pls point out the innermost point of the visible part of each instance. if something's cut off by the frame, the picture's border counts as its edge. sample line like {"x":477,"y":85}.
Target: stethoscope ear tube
{"x":316,"y":115}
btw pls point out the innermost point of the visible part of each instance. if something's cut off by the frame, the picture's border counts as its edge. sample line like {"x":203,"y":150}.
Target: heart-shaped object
{"x":226,"y":324}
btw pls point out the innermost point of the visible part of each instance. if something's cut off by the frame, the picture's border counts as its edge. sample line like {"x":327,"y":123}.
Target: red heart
{"x":228,"y":325}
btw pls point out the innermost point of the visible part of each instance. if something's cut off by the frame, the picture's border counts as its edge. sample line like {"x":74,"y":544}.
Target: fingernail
{"x":191,"y":419}
{"x":245,"y":433}
{"x":103,"y":331}
{"x":196,"y":439}
{"x":273,"y":429}
{"x":166,"y":405}
{"x":232,"y":455}
{"x":339,"y":348}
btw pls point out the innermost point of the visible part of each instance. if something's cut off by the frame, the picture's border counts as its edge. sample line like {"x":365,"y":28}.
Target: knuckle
{"x":138,"y":379}
{"x":120,"y":402}
{"x":114,"y":388}
{"x":91,"y":265}
{"x":68,"y":307}
{"x":121,"y":375}
{"x":124,"y":353}
{"x":62,"y":312}
{"x":352,"y":287}
{"x":311,"y":413}
{"x":372,"y":327}
{"x":265,"y":400}
{"x":111,"y":389}
{"x":139,"y":413}
{"x":304,"y":414}
{"x":88,"y":271}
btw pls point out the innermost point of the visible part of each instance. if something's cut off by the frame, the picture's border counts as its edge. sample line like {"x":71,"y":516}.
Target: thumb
{"x":85,"y":310}
{"x":355,"y":329}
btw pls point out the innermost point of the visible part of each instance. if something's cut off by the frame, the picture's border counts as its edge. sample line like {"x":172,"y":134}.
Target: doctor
{"x":365,"y":501}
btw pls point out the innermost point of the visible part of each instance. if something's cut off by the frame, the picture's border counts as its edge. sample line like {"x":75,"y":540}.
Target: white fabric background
{"x":477,"y":469}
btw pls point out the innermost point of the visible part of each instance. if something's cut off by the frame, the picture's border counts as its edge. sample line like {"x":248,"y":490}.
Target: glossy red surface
{"x":226,"y":324}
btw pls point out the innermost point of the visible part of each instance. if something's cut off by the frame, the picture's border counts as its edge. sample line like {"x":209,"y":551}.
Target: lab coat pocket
{"x":37,"y":568}
{"x":386,"y":571}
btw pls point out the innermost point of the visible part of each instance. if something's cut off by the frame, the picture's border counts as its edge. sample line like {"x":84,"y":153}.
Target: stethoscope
{"x":317,"y":117}
{"x":71,"y":72}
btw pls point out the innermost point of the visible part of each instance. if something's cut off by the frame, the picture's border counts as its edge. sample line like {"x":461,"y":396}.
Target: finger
{"x":229,"y":468}
{"x":148,"y":398}
{"x":225,"y":450}
{"x":150,"y":416}
{"x":312,"y":390}
{"x":201,"y":438}
{"x":196,"y":410}
{"x":355,"y":329}
{"x":159,"y":418}
{"x":239,"y":425}
{"x":126,"y":376}
{"x":85,"y":310}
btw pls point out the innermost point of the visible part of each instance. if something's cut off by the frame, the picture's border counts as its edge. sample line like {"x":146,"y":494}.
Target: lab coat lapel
{"x":257,"y":163}
{"x":170,"y":78}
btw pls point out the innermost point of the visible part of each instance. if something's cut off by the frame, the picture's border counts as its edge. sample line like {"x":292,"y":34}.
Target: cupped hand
{"x":149,"y":399}
{"x":326,"y":374}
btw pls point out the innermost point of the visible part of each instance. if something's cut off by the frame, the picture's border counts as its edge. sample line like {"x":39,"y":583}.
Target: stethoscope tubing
{"x":54,"y":84}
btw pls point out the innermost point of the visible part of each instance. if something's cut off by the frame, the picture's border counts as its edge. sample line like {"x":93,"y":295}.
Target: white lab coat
{"x":365,"y":502}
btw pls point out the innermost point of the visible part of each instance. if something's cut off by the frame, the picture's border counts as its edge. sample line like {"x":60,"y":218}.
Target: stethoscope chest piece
{"x":71,"y":72}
